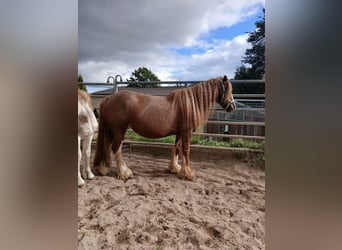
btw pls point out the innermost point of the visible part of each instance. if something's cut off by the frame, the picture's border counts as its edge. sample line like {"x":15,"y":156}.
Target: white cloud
{"x":116,"y":37}
{"x":222,"y":59}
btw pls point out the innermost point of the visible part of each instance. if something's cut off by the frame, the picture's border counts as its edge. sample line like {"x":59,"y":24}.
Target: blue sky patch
{"x":223,"y":33}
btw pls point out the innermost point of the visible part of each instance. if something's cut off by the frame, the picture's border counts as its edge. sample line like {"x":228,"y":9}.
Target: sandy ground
{"x":224,"y":208}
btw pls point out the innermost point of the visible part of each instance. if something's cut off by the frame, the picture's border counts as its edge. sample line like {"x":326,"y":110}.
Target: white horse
{"x":87,"y":125}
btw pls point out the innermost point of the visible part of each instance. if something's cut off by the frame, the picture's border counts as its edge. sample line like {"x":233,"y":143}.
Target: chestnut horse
{"x":87,"y":125}
{"x":180,"y":113}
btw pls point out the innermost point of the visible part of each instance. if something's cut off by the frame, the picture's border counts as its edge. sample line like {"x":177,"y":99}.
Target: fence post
{"x":116,"y":83}
{"x":110,"y":77}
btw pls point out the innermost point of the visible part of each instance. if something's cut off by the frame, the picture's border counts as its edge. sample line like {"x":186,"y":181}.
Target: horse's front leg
{"x":186,"y":171}
{"x":87,"y":174}
{"x":123,"y":171}
{"x":174,"y":166}
{"x":80,"y":180}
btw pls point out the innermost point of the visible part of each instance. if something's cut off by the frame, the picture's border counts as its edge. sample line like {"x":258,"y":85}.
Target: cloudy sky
{"x":177,"y":40}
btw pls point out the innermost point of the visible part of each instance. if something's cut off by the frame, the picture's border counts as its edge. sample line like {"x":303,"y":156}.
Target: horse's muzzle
{"x":230,"y":107}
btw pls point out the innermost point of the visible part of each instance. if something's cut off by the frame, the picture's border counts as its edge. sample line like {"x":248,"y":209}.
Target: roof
{"x":160,"y":91}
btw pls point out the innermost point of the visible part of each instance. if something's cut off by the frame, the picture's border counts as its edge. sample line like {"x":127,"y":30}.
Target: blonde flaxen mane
{"x":195,"y":102}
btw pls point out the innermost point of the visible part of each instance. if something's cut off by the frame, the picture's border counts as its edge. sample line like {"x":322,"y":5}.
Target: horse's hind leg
{"x":174,"y":166}
{"x":80,"y":180}
{"x":86,"y":154}
{"x":123,"y":171}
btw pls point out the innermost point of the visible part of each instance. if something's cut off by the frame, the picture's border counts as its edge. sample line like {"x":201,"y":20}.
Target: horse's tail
{"x":102,"y":158}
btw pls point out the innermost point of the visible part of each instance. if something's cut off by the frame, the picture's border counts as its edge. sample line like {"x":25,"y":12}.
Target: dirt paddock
{"x":224,"y":208}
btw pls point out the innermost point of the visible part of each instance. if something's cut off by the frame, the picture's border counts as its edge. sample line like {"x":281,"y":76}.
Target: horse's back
{"x":124,"y":105}
{"x":127,"y":97}
{"x":127,"y":101}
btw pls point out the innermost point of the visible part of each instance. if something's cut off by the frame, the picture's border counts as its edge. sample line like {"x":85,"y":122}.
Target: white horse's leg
{"x":123,"y":171}
{"x":87,"y":174}
{"x":80,"y":180}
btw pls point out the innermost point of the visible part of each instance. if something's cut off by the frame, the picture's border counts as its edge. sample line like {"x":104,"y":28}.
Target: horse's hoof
{"x":100,"y":169}
{"x":80,"y":183}
{"x":91,"y":176}
{"x":189,"y":177}
{"x":103,"y":171}
{"x":124,"y":178}
{"x":175,"y":169}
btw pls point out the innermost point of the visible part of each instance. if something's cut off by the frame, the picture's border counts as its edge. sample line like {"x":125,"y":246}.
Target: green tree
{"x":244,"y":73}
{"x":142,"y":74}
{"x":81,"y":86}
{"x":254,"y":56}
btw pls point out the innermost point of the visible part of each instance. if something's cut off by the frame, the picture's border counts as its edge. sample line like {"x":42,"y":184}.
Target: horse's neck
{"x":196,"y":102}
{"x":204,"y":93}
{"x":207,"y":94}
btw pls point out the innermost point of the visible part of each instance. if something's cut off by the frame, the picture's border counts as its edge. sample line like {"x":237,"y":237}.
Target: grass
{"x":198,"y":140}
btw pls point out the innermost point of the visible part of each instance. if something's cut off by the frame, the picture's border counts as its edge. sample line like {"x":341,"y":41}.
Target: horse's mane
{"x":195,"y":102}
{"x":84,"y":96}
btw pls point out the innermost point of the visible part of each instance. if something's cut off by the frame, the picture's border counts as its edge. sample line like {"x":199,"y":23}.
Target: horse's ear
{"x":225,"y":78}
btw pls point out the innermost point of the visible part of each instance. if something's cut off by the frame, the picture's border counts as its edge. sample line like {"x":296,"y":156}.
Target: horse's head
{"x":227,"y":100}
